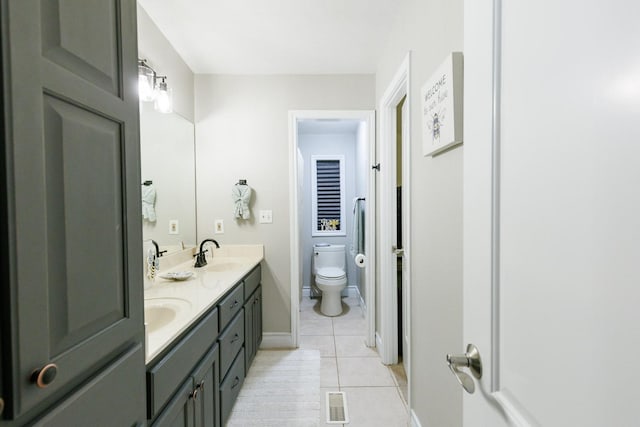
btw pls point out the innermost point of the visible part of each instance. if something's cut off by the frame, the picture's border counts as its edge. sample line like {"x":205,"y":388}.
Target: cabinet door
{"x":73,"y":199}
{"x":257,"y":319}
{"x":179,"y":411}
{"x":207,"y":400}
{"x":249,"y":341}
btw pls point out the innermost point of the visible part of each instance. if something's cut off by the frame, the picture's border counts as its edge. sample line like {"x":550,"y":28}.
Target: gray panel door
{"x":76,"y":273}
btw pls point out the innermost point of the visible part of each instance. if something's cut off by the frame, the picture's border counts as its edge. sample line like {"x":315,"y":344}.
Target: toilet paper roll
{"x":361,"y":260}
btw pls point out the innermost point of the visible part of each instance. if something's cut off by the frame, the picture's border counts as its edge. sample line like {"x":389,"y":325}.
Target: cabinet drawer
{"x":231,"y":341}
{"x":230,"y":305}
{"x":231,"y":386}
{"x":252,"y":281}
{"x":167,"y":374}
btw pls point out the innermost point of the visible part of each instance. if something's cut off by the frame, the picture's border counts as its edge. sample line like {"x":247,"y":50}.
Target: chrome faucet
{"x":201,"y":259}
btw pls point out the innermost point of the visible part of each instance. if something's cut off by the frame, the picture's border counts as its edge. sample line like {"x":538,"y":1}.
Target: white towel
{"x":241,"y":195}
{"x":148,"y":202}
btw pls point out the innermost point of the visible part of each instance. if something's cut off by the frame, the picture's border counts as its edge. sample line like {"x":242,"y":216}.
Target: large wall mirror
{"x":167,"y":146}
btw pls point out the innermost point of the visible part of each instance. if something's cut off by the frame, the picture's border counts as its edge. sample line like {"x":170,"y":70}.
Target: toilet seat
{"x":331,"y":273}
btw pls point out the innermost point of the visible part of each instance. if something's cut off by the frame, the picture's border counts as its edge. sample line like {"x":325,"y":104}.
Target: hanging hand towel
{"x":148,"y":203}
{"x":241,"y":195}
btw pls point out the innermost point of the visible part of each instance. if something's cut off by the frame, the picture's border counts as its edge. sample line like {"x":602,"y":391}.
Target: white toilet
{"x":330,"y":276}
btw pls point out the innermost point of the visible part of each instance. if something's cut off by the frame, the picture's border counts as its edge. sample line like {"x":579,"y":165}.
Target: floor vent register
{"x":337,"y":408}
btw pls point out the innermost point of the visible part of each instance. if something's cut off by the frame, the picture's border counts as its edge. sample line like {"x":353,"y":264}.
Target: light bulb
{"x":164,"y":101}
{"x":146,"y":82}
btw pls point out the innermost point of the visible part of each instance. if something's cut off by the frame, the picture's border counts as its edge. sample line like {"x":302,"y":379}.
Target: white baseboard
{"x":415,"y":422}
{"x":378,"y":342}
{"x":363,"y":304}
{"x":272,"y":340}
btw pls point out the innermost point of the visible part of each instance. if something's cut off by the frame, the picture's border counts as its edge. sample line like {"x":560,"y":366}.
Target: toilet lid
{"x":331,"y":273}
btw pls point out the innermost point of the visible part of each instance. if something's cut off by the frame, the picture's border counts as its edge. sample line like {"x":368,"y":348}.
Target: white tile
{"x":323,"y":407}
{"x":362,"y":372}
{"x":328,"y":372}
{"x":316,"y":326}
{"x":353,"y":346}
{"x":349,"y":326}
{"x":375,"y":407}
{"x":324,"y":344}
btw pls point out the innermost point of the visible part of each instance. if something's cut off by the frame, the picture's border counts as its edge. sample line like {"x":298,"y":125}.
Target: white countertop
{"x":193,"y":297}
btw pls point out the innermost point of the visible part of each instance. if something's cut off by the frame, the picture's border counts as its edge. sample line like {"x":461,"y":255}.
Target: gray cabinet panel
{"x":206,"y":380}
{"x":231,"y":340}
{"x":104,"y":400}
{"x":230,"y":305}
{"x":230,"y":387}
{"x":179,"y":412}
{"x":252,"y":326}
{"x":74,"y":285}
{"x":82,"y":36}
{"x":167,"y":373}
{"x":252,"y":281}
{"x":84,"y":227}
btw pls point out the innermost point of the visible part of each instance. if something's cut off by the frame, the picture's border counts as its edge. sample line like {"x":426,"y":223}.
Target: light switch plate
{"x":174,"y":227}
{"x":266,"y":217}
{"x":219,"y":227}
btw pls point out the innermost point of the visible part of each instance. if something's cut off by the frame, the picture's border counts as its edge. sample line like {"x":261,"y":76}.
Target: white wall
{"x":328,"y":144}
{"x":431,"y":29}
{"x":242,"y":132}
{"x":160,"y":54}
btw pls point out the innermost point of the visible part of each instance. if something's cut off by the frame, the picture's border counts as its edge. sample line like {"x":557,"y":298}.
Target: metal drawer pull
{"x":236,"y":381}
{"x":235,"y":338}
{"x":44,"y":376}
{"x":471,"y":360}
{"x":201,"y":385}
{"x":194,"y":393}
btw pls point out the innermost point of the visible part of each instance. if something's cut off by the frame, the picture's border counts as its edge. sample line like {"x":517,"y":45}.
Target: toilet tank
{"x":325,"y":255}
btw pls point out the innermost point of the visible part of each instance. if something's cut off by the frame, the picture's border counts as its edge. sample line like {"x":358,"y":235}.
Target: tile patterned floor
{"x":374,"y":391}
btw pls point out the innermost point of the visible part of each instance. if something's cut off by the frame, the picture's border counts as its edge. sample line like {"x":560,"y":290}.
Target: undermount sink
{"x":159,"y":312}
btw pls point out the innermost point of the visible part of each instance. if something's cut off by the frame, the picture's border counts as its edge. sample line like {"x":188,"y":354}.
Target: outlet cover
{"x":266,"y":217}
{"x":219,"y":227}
{"x":174,"y":227}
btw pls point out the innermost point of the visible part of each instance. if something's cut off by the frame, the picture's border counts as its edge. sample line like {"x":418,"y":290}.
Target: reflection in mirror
{"x":167,"y":149}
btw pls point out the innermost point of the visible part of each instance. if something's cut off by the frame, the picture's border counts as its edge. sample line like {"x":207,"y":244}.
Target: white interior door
{"x":405,"y":228}
{"x":552,"y":211}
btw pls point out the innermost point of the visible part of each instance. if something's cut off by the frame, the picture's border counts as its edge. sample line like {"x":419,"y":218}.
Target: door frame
{"x":387,"y":339}
{"x":367,"y":116}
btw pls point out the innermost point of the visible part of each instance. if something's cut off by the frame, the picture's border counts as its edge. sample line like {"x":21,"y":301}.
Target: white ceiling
{"x":275,"y":36}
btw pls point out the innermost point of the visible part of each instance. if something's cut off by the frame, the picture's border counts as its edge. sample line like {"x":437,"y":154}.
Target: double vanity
{"x":201,"y":335}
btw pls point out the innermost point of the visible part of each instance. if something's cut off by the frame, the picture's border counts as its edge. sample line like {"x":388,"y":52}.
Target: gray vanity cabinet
{"x":70,"y":232}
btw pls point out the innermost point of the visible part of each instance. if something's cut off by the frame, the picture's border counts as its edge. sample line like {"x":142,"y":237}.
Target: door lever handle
{"x":471,"y":359}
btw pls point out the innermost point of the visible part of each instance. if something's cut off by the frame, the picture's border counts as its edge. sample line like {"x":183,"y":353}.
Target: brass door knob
{"x":44,"y":376}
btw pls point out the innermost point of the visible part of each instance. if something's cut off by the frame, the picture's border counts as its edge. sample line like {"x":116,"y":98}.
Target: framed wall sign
{"x":442,"y":107}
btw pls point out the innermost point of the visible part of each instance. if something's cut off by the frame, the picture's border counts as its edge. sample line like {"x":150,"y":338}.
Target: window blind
{"x":328,"y":192}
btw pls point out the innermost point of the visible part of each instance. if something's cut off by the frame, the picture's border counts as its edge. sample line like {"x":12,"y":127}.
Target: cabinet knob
{"x":45,"y":375}
{"x":1,"y":405}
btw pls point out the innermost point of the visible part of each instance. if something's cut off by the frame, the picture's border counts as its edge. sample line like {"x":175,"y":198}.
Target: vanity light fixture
{"x":152,"y":87}
{"x":164,"y":100}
